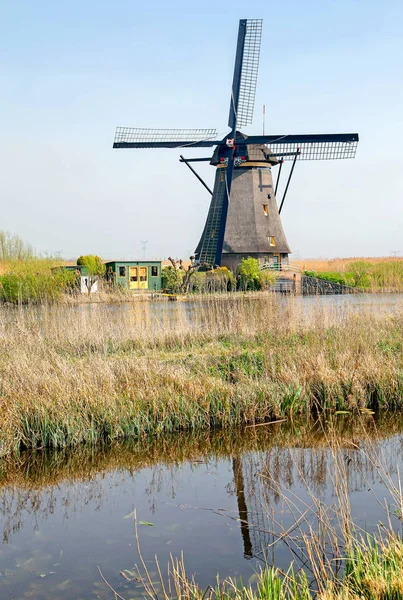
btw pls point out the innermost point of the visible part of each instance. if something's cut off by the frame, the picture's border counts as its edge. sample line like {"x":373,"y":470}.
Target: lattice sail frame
{"x":249,"y":72}
{"x":136,"y":135}
{"x":308,"y":150}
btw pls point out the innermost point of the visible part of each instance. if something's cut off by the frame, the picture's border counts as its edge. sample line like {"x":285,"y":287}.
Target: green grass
{"x":373,"y":571}
{"x":32,"y":281}
{"x":367,"y":275}
{"x":333,"y":277}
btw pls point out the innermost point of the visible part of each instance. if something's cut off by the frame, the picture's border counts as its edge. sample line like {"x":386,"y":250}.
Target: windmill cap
{"x":250,"y":152}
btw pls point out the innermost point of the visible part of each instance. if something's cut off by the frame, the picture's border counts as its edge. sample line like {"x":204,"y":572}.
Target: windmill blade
{"x":241,"y":113}
{"x":245,"y":73}
{"x":322,"y":146}
{"x":130,"y":137}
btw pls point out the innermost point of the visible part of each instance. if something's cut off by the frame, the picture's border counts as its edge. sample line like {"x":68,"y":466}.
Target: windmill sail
{"x":243,"y":91}
{"x":319,"y":146}
{"x":131,"y":137}
{"x":210,"y":248}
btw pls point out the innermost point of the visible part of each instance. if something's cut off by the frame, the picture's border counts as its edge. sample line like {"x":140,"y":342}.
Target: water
{"x":150,"y":318}
{"x":64,"y":514}
{"x":222,"y":498}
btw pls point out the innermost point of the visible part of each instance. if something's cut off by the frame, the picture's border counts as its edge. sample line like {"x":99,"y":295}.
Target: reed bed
{"x":39,"y":470}
{"x":378,"y":274}
{"x":73,"y":375}
{"x":341,"y":264}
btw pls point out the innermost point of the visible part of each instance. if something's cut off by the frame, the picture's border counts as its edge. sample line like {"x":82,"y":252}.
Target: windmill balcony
{"x":279,"y":267}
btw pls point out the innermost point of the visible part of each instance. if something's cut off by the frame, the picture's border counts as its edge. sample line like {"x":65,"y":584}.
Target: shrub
{"x":332,"y":277}
{"x":267,"y":279}
{"x":358,"y":273}
{"x":198,"y":281}
{"x":249,"y":274}
{"x":220,"y":279}
{"x":33,"y":281}
{"x":171,"y":279}
{"x":95,"y":266}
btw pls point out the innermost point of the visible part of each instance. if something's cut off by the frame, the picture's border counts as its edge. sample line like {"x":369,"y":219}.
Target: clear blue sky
{"x":70,"y":71}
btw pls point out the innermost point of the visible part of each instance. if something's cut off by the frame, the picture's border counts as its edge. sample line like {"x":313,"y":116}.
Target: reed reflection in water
{"x":219,"y":497}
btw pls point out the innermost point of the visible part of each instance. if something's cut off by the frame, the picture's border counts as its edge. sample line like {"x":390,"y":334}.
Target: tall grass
{"x":375,"y":274}
{"x":374,"y":571}
{"x":70,"y":375}
{"x":341,"y":264}
{"x":32,"y":281}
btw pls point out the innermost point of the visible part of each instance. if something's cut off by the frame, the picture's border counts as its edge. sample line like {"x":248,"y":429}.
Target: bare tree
{"x":12,"y":247}
{"x":183,"y":273}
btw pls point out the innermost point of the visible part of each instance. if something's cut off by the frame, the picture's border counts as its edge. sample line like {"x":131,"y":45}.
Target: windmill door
{"x":143,"y":278}
{"x":276,"y":262}
{"x":133,"y":278}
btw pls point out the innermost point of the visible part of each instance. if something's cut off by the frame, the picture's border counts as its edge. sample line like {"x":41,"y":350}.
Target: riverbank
{"x":70,"y":376}
{"x":39,"y":470}
{"x":37,"y":281}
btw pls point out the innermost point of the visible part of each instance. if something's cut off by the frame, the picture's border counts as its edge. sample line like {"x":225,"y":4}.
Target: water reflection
{"x":219,"y":497}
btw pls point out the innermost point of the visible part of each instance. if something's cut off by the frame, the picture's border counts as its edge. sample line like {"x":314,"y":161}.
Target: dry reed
{"x":70,"y":375}
{"x":341,"y":264}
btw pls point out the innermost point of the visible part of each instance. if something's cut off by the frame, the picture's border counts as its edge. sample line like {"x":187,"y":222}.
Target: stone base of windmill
{"x":288,"y":280}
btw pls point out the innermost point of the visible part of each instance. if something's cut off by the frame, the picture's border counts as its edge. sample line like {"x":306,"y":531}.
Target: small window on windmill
{"x":272,"y":240}
{"x":122,"y":271}
{"x":266,"y":209}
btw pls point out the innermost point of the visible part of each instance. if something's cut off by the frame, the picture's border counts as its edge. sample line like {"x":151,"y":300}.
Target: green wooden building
{"x":135,"y":275}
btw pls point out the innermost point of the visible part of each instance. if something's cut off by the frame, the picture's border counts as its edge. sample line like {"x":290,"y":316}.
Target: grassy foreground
{"x":372,"y":570}
{"x":70,"y":375}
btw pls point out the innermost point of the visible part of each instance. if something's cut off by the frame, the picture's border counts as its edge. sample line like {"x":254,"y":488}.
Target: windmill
{"x":244,"y":217}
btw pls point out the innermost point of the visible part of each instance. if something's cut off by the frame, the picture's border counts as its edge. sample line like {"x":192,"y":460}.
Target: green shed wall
{"x":154,"y":283}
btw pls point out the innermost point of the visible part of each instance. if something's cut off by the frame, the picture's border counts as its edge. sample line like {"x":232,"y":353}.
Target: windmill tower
{"x":244,"y":216}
